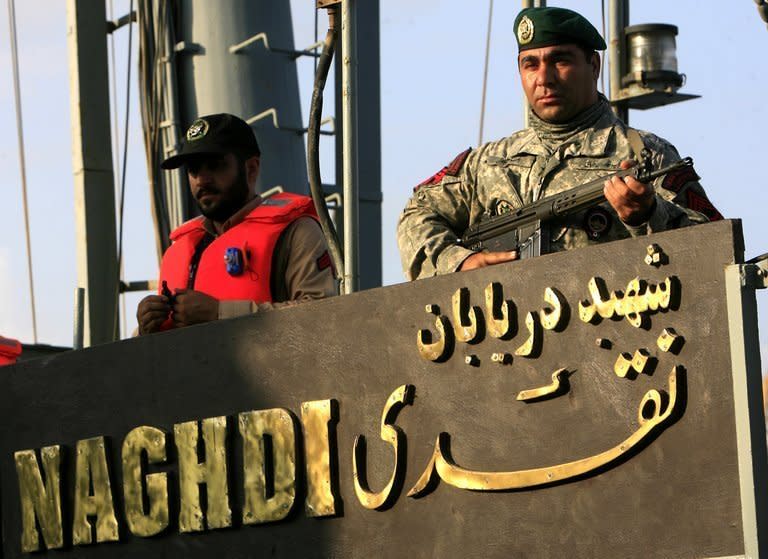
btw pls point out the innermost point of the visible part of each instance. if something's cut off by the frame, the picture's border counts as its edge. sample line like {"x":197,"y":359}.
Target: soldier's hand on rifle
{"x":632,"y":200}
{"x":152,"y":311}
{"x":193,"y":307}
{"x":483,"y":259}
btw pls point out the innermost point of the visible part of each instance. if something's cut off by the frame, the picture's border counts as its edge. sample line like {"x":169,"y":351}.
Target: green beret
{"x":544,"y":27}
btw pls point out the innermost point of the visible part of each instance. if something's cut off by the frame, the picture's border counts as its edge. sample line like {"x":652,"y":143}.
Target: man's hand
{"x":483,"y":259}
{"x":152,"y":311}
{"x":632,"y":200}
{"x":193,"y":307}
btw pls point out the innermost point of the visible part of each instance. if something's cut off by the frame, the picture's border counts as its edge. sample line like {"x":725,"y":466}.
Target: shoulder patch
{"x":676,"y":180}
{"x":700,"y":203}
{"x":695,"y":198}
{"x":450,"y":170}
{"x":455,"y":166}
{"x":324,"y":262}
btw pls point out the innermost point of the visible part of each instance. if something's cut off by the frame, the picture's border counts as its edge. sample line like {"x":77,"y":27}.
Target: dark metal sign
{"x":577,"y":404}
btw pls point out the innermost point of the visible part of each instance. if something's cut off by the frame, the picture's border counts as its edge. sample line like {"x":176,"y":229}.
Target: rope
{"x":485,"y":72}
{"x":125,"y":160}
{"x":22,"y":162}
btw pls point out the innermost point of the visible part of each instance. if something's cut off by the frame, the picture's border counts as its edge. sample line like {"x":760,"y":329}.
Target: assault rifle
{"x":525,"y":229}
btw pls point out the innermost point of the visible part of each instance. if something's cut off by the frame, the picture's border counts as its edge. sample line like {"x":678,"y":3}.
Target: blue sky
{"x":432,"y":57}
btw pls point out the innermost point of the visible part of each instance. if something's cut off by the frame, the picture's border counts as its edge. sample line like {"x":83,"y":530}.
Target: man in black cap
{"x":574,"y":137}
{"x":244,"y":254}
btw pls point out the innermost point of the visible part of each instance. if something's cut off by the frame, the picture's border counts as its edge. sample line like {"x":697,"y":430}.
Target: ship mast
{"x":199,"y":57}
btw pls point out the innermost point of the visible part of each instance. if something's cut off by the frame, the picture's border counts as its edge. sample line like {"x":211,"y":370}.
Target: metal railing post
{"x":618,"y":19}
{"x":349,"y":134}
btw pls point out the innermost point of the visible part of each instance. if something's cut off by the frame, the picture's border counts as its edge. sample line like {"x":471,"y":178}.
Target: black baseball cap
{"x":217,"y":134}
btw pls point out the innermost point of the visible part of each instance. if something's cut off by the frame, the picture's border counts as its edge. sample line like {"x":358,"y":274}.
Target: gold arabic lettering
{"x":396,"y":438}
{"x":651,"y":416}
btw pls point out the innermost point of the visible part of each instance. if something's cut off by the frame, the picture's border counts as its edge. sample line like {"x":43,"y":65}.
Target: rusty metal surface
{"x":676,"y":494}
{"x":327,"y":3}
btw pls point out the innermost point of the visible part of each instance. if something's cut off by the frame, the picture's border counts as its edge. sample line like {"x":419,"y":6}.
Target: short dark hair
{"x":589,"y":52}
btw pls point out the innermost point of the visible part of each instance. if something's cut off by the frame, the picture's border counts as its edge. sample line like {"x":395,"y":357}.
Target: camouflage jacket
{"x":521,"y":169}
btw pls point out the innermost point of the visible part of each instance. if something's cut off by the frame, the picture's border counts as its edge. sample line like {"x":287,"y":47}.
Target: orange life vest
{"x":9,"y":351}
{"x":255,"y":238}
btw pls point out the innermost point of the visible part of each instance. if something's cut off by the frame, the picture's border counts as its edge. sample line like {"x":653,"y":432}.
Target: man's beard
{"x":229,"y":204}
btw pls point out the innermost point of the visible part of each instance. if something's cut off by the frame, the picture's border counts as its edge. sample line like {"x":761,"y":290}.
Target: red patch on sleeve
{"x":676,"y":180}
{"x":454,"y":166}
{"x":450,"y":170}
{"x":701,"y":204}
{"x":325,"y":262}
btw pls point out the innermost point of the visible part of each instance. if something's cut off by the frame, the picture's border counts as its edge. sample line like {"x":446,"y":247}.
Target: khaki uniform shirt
{"x":301,"y":269}
{"x":522,"y":169}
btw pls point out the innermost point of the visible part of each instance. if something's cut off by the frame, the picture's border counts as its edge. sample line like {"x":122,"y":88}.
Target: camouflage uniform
{"x":530,"y":165}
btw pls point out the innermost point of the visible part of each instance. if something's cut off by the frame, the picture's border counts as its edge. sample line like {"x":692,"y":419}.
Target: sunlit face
{"x":219,"y":185}
{"x":559,"y":81}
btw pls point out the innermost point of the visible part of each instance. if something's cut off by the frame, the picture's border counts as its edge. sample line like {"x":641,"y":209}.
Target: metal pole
{"x":351,"y":195}
{"x":618,"y":19}
{"x":741,"y":280}
{"x":526,"y":107}
{"x":77,"y":342}
{"x":258,"y":79}
{"x":92,"y":165}
{"x":369,"y":144}
{"x":22,"y":162}
{"x":485,"y":72}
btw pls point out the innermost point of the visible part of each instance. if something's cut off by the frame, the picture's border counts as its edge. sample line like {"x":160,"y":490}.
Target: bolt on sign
{"x":598,"y":403}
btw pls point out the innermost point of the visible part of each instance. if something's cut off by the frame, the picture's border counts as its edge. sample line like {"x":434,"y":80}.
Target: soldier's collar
{"x":592,"y":142}
{"x":528,"y":144}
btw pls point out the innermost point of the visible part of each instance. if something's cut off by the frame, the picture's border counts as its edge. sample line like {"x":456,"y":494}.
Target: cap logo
{"x":525,"y":30}
{"x":198,"y":130}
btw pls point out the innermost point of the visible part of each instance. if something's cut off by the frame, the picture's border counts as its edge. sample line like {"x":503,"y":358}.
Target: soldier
{"x":574,"y":137}
{"x":244,"y":254}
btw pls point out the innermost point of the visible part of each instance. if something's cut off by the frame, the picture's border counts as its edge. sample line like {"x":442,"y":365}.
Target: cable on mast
{"x":22,"y":162}
{"x":125,"y":159}
{"x":156,"y":104}
{"x":116,"y":145}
